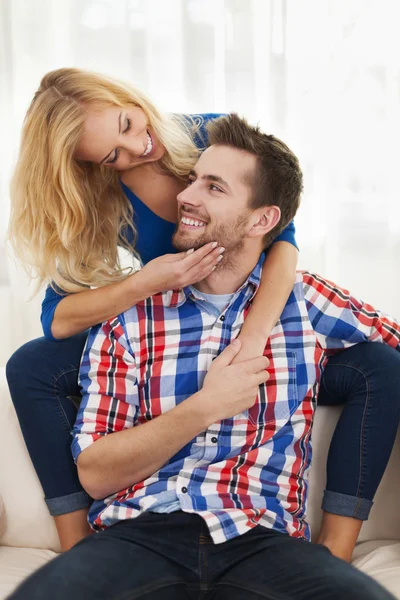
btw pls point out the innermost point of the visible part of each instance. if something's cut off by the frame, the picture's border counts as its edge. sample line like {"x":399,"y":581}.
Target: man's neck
{"x":229,"y":276}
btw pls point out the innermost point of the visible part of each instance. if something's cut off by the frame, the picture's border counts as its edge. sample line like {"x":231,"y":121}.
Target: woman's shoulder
{"x":197,"y":124}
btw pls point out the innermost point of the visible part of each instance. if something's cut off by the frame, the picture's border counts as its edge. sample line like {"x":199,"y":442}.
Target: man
{"x":201,"y":490}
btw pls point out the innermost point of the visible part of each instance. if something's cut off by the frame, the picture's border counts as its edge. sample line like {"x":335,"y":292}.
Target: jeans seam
{"x":133,"y":593}
{"x":202,"y":563}
{"x":366,"y":407}
{"x":362,"y":436}
{"x":60,"y":406}
{"x":268,"y":595}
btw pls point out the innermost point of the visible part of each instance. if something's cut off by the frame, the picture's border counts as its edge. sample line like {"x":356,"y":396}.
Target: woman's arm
{"x":277,"y":280}
{"x":77,"y":312}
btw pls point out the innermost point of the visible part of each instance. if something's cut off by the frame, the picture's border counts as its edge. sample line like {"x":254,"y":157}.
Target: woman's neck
{"x":157,"y":189}
{"x":148,"y":171}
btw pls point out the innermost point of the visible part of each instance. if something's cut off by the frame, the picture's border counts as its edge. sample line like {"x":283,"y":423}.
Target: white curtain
{"x":322,"y":74}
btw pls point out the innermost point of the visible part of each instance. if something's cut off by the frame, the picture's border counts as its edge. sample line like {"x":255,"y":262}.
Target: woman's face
{"x":119,"y":138}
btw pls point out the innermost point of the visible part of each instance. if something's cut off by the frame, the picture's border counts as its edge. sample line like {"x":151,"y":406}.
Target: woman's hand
{"x":252,"y":346}
{"x":175,"y":271}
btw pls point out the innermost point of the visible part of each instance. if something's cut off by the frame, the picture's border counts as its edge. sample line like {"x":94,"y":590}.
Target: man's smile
{"x":192,"y":223}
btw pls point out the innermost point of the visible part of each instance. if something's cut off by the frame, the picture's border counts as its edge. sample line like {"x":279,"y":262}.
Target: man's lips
{"x":191,"y":222}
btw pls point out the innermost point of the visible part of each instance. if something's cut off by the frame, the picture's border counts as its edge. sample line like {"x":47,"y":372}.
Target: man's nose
{"x":189,"y":195}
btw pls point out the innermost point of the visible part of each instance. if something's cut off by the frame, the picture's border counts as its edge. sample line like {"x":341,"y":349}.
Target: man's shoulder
{"x":151,"y":307}
{"x":306,"y":284}
{"x":309,"y":279}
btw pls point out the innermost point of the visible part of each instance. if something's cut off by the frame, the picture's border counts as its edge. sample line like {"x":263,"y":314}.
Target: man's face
{"x":214,"y":206}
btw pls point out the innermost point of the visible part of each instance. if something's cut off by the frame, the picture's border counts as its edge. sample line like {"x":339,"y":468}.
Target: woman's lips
{"x":153,"y":146}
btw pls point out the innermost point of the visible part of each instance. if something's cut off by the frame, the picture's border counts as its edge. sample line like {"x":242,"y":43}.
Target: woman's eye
{"x":114,"y":160}
{"x":190,"y":181}
{"x":128,"y":125}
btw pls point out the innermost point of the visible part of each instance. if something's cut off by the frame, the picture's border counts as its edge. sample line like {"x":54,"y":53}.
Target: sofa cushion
{"x":17,"y":563}
{"x":381,"y":560}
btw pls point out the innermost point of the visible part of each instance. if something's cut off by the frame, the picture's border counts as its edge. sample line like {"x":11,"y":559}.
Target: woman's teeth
{"x":192,"y":222}
{"x":149,"y":146}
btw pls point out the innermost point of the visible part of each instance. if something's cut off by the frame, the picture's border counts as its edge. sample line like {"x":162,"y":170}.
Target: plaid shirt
{"x":240,"y":472}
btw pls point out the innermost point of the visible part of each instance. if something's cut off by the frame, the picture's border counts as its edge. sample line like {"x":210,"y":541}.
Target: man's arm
{"x":110,"y":404}
{"x":125,"y":452}
{"x":341,"y":320}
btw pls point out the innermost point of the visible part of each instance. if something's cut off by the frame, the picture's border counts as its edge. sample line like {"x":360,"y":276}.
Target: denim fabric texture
{"x":172,"y":557}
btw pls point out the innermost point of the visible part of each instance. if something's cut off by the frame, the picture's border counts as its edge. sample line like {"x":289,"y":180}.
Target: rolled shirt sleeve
{"x":108,"y":378}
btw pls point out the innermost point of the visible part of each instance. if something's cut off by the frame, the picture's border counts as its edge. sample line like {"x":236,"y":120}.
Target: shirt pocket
{"x":278,"y":398}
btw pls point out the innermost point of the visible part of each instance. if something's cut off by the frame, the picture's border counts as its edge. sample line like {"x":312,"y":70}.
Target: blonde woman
{"x":100,"y":167}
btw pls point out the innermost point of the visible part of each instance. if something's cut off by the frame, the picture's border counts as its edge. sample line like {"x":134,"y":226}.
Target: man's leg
{"x":144,"y":558}
{"x":275,"y":566}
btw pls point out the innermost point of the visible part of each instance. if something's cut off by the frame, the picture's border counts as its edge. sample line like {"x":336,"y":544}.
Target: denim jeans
{"x":366,"y":379}
{"x":42,"y":376}
{"x":172,"y":557}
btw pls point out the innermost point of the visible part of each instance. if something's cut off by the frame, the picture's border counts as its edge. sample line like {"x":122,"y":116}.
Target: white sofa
{"x":28,"y":537}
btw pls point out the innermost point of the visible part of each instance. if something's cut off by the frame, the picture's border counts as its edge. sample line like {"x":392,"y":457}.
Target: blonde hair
{"x":68,"y":216}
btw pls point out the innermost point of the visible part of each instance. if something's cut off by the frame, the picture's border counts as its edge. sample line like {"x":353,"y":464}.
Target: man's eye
{"x":214,"y":188}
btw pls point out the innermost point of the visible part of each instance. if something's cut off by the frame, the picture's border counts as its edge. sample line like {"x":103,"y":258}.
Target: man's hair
{"x":277,"y":179}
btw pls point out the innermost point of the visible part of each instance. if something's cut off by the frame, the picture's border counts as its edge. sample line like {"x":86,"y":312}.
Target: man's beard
{"x":228,"y":235}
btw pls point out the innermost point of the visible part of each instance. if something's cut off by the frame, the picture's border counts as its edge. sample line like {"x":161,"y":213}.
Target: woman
{"x":99,"y":167}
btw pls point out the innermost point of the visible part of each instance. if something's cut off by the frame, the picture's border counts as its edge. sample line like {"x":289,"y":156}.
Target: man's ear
{"x":263,"y":220}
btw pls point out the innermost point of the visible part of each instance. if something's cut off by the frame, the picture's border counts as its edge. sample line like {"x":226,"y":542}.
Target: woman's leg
{"x":43,"y":376}
{"x":366,"y":378}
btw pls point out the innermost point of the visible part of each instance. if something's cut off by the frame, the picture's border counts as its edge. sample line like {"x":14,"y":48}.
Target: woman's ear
{"x":264,"y":220}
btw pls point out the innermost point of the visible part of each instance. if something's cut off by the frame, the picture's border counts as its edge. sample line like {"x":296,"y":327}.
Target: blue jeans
{"x":42,"y":376}
{"x":172,"y":557}
{"x":366,"y":379}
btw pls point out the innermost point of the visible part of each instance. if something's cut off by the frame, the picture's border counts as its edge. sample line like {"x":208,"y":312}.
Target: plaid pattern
{"x":247,"y":470}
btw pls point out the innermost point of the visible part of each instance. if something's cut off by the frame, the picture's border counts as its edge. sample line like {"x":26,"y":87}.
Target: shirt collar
{"x":176,"y":298}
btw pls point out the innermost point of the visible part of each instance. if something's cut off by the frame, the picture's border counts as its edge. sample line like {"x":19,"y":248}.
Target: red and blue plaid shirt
{"x":240,"y":472}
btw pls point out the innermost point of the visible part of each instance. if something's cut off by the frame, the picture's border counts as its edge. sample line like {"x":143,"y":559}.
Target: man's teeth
{"x":187,"y":221}
{"x":149,"y":146}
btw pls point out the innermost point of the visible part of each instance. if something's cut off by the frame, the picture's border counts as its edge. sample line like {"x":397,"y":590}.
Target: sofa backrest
{"x":384,"y":520}
{"x":28,"y":523}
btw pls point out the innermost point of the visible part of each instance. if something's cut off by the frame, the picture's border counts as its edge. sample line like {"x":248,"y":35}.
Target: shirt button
{"x":184,"y":490}
{"x":214,"y":440}
{"x":222,"y":318}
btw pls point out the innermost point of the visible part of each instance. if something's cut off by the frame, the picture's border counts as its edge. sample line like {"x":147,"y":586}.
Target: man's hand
{"x":230,"y":389}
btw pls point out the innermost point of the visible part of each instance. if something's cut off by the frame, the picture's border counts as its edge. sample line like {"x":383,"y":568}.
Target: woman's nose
{"x":135,"y":145}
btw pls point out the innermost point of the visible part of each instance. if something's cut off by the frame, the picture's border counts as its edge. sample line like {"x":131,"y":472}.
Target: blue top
{"x":154,"y":234}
